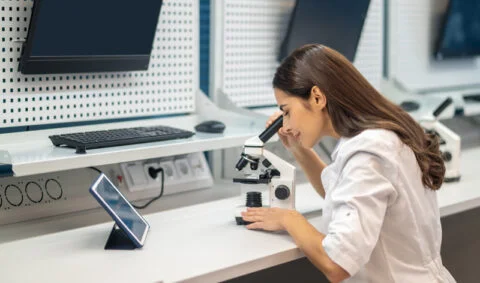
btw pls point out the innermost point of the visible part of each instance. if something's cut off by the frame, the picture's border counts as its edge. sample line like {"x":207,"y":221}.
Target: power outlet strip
{"x":45,"y":195}
{"x":182,"y":173}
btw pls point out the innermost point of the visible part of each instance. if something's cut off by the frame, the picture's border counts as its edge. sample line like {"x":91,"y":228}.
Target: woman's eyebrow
{"x":281,"y":106}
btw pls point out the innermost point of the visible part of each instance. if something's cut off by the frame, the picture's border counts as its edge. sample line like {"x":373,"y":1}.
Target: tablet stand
{"x":118,"y":240}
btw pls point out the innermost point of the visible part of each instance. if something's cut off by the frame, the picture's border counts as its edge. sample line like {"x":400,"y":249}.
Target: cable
{"x":96,"y":169}
{"x":150,"y":171}
{"x":153,"y":173}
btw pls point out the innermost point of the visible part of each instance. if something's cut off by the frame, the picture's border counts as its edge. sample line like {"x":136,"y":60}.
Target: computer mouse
{"x":210,"y":126}
{"x":410,"y":105}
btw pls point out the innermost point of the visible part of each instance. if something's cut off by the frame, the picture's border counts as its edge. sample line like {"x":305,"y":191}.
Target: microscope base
{"x":240,"y":221}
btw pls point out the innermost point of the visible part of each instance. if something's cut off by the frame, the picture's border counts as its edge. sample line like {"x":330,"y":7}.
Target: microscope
{"x":449,"y":141}
{"x":265,"y":168}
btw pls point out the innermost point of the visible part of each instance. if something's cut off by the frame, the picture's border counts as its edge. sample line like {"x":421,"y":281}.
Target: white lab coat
{"x":381,"y":224}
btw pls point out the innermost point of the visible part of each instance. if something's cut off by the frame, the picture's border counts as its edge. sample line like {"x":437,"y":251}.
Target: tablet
{"x":122,"y":212}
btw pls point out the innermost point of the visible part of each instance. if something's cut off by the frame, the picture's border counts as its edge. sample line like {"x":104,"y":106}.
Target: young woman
{"x":381,"y":217}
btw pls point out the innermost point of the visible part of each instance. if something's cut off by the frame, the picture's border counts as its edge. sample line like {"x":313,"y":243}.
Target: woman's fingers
{"x":255,"y":218}
{"x":255,"y":210}
{"x":253,"y":214}
{"x":273,"y":117}
{"x":256,"y":225}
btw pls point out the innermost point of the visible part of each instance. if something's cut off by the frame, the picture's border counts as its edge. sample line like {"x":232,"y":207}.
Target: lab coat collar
{"x":340,"y":141}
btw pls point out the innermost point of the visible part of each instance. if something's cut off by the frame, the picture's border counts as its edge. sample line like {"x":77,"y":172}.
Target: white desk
{"x":198,"y":243}
{"x":464,"y":195}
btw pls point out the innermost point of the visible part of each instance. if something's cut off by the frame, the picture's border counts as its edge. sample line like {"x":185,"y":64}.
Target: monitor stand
{"x":118,"y":240}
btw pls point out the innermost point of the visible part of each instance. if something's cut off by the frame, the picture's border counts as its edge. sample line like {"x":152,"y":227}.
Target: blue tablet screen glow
{"x":121,"y":208}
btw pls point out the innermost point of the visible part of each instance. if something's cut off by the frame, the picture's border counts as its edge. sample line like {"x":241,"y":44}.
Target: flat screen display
{"x":120,"y":209}
{"x":90,"y":35}
{"x":460,"y":32}
{"x":337,"y":24}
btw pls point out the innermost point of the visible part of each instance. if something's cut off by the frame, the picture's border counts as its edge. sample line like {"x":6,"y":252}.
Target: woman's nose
{"x":286,"y":128}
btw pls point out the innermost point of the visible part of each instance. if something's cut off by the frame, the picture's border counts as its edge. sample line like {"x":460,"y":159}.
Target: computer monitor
{"x":67,"y":36}
{"x":460,"y":31}
{"x":337,"y":24}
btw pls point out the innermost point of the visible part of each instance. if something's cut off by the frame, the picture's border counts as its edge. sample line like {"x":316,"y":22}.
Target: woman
{"x":381,"y":217}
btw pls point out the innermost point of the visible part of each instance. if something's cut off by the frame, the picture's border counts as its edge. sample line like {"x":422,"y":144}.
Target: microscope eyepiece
{"x":271,"y":130}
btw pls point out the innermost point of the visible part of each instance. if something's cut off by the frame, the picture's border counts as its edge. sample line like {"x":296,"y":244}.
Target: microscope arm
{"x":287,"y":170}
{"x":450,"y":142}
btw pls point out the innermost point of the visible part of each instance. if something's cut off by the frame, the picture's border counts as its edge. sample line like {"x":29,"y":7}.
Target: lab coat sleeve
{"x":359,"y":202}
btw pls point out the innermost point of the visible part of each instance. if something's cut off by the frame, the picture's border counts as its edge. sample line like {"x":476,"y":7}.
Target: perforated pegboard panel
{"x":167,"y":87}
{"x":370,"y":56}
{"x":252,"y":33}
{"x":414,"y":29}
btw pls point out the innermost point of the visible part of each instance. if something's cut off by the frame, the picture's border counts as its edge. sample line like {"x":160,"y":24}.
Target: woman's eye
{"x":285,"y":113}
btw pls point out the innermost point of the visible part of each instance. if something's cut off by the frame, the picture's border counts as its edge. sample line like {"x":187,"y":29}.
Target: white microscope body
{"x":450,"y":142}
{"x":281,"y":188}
{"x":278,"y":174}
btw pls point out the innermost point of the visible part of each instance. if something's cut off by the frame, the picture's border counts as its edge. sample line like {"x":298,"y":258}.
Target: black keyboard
{"x":98,"y":139}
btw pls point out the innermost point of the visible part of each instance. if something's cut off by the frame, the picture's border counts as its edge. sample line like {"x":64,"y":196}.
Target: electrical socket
{"x":154,"y":165}
{"x":169,"y":170}
{"x":182,"y":173}
{"x":198,"y":167}
{"x":183,"y":168}
{"x":134,"y":174}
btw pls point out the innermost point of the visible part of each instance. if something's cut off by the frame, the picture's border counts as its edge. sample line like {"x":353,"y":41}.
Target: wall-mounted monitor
{"x":337,"y":24}
{"x":67,"y":36}
{"x":460,"y":31}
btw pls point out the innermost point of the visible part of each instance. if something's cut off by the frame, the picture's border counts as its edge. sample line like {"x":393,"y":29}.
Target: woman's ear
{"x":317,"y":98}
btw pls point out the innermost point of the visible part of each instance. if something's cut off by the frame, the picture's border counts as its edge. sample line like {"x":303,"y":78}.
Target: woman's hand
{"x":288,"y":137}
{"x":269,"y":219}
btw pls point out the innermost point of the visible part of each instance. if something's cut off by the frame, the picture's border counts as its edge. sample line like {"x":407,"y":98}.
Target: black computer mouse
{"x":410,"y":105}
{"x":210,"y":126}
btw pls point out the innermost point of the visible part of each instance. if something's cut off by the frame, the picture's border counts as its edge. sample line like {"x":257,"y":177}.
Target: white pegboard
{"x":370,"y":52}
{"x":252,"y":32}
{"x":413,"y":30}
{"x":168,"y":87}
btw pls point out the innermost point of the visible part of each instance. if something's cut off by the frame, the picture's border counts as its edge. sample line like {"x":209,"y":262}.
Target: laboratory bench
{"x":196,"y":243}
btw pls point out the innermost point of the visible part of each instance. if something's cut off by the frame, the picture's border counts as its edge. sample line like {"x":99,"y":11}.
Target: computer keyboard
{"x":97,"y":139}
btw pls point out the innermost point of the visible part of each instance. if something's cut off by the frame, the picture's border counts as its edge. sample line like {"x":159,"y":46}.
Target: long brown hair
{"x":354,"y":105}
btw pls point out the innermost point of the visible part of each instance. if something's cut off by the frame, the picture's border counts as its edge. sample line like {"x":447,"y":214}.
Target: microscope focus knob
{"x":447,"y":156}
{"x":282,"y":192}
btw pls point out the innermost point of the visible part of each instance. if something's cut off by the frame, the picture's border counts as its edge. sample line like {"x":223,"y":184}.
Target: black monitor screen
{"x":460,"y":32}
{"x":111,"y":35}
{"x":337,"y":24}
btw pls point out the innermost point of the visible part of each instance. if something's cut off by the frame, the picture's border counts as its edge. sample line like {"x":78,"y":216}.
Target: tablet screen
{"x":121,"y":207}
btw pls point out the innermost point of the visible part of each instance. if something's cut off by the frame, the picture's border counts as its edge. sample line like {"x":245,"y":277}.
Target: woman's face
{"x":304,"y":118}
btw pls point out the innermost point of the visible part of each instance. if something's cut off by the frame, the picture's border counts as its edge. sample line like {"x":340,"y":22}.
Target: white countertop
{"x":192,"y":243}
{"x":463,"y":195}
{"x":199,"y":243}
